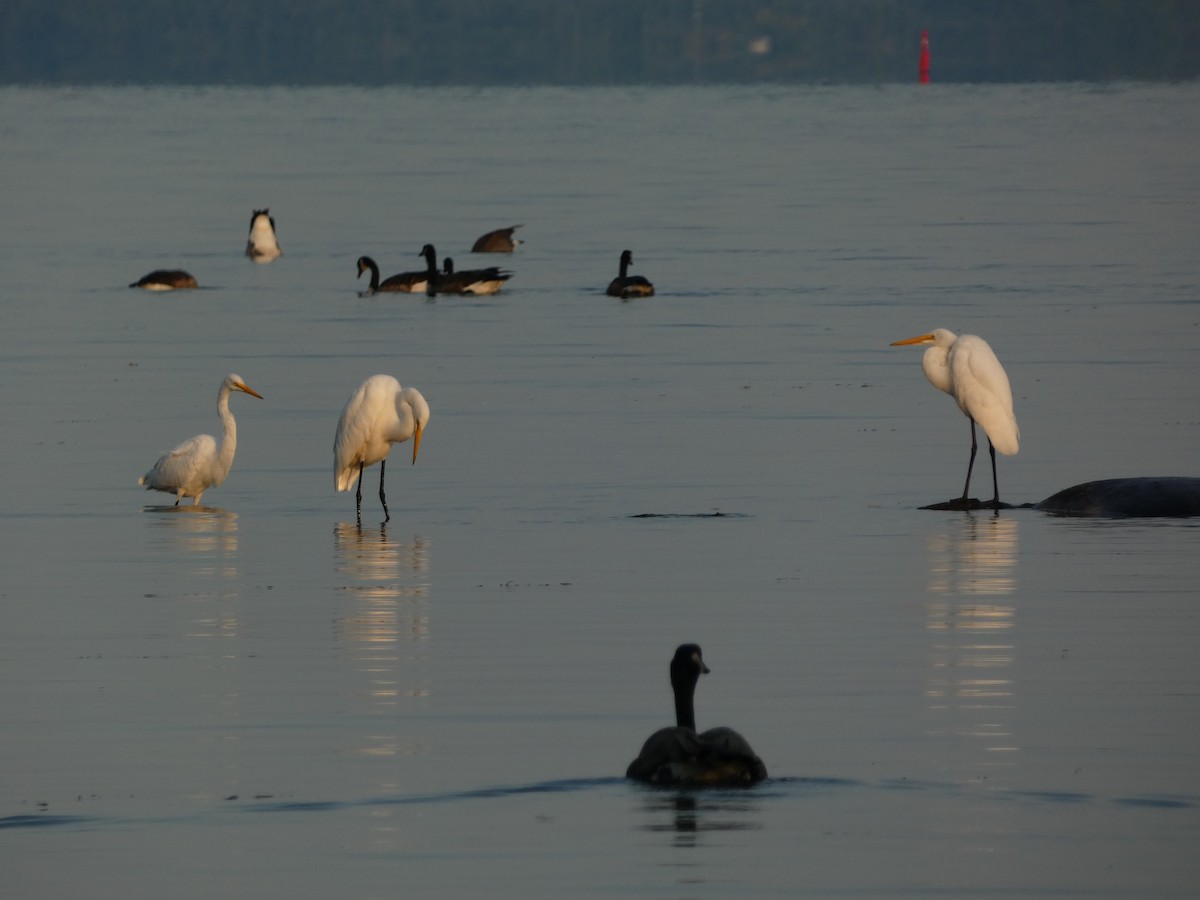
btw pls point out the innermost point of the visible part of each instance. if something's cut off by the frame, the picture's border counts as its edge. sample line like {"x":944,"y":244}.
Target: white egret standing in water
{"x":966,"y":368}
{"x":197,"y":464}
{"x":380,"y":413}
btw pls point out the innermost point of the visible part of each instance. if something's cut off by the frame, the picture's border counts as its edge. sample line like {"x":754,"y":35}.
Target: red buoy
{"x":924,"y":69}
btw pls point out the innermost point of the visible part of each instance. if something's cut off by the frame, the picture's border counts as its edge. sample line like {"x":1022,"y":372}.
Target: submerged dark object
{"x":712,"y":515}
{"x":679,"y":757}
{"x":1127,"y":497}
{"x":165,"y":280}
{"x":964,"y":504}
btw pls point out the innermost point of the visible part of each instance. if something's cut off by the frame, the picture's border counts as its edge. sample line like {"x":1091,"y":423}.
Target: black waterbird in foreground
{"x":719,"y":757}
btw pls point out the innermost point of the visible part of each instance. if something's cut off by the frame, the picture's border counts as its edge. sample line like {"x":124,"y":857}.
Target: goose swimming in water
{"x":719,"y":757}
{"x":471,"y":281}
{"x":262,"y":246}
{"x":165,"y":280}
{"x":626,"y":285}
{"x":499,"y":241}
{"x":199,"y":463}
{"x":404,"y":282}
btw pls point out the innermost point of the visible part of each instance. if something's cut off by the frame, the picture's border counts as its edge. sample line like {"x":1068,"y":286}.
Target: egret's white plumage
{"x":965,"y":367}
{"x":262,"y":246}
{"x":199,"y":463}
{"x":380,"y":413}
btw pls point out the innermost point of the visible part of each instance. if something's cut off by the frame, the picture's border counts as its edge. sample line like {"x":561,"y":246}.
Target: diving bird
{"x":165,"y":280}
{"x":499,"y":241}
{"x":626,"y":285}
{"x":404,"y":282}
{"x":262,"y":246}
{"x":719,"y":757}
{"x":380,"y":413}
{"x":470,"y":281}
{"x":198,"y":463}
{"x":965,"y":367}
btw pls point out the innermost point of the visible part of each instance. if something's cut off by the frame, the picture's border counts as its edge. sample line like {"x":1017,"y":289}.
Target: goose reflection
{"x":383,"y":626}
{"x":688,"y":816}
{"x":970,"y":617}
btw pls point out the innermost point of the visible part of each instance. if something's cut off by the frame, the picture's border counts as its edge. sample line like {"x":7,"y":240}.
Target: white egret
{"x":262,"y":246}
{"x":679,"y":756}
{"x":197,"y":464}
{"x":380,"y":413}
{"x":626,"y":285}
{"x":499,"y":241}
{"x":965,"y":367}
{"x":165,"y":280}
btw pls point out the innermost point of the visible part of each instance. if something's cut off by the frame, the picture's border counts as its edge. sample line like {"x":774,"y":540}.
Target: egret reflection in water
{"x":383,"y":625}
{"x":206,"y":533}
{"x":970,"y":617}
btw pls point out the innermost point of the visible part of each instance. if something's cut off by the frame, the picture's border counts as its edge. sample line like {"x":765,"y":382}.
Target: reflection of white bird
{"x":380,"y":413}
{"x":680,"y":756}
{"x":262,"y":246}
{"x":197,"y":464}
{"x":966,"y":368}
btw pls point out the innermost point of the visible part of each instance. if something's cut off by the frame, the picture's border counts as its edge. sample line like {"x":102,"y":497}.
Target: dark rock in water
{"x":971,"y":503}
{"x":1127,"y":497}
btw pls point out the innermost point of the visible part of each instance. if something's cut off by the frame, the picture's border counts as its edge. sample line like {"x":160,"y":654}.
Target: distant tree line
{"x":484,"y":42}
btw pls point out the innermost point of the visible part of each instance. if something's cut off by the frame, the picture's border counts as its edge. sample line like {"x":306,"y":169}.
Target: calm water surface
{"x":263,"y":698}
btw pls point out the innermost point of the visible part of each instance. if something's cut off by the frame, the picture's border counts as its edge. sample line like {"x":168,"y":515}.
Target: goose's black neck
{"x":686,"y":668}
{"x":374,"y":269}
{"x":430,"y":258}
{"x":626,"y":259}
{"x":685,"y":710}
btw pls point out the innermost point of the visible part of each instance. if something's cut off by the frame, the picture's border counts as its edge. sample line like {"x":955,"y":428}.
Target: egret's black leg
{"x":358,"y":493}
{"x":995,"y":483}
{"x":382,"y":499}
{"x":971,"y":464}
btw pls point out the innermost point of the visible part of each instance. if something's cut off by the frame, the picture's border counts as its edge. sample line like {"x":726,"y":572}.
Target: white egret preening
{"x":198,"y":464}
{"x":965,"y":367}
{"x":718,"y":757}
{"x":380,"y":413}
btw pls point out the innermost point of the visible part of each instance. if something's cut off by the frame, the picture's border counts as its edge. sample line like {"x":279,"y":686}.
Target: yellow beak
{"x":416,"y":442}
{"x":919,"y":339}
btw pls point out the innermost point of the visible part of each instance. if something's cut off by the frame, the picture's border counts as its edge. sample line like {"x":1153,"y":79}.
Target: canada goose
{"x":499,"y":241}
{"x":165,"y":280}
{"x":405,"y":282}
{"x":470,"y":281}
{"x":626,"y":285}
{"x":719,"y":757}
{"x":262,"y":246}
